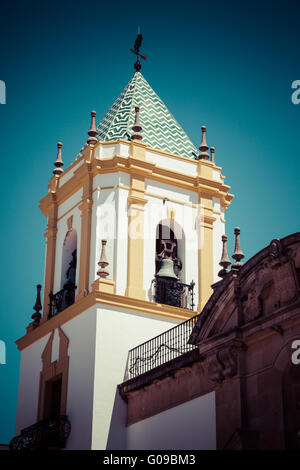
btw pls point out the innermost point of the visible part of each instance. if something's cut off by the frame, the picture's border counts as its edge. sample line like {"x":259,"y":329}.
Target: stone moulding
{"x":265,"y":284}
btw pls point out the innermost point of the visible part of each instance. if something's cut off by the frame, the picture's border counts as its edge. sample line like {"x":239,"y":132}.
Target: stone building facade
{"x":246,"y":366}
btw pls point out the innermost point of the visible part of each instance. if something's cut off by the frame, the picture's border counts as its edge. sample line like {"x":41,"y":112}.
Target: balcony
{"x":62,"y":299}
{"x":51,"y":433}
{"x":161,"y":349}
{"x":173,"y":292}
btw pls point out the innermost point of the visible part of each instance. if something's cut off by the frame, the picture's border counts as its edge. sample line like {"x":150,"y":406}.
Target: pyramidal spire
{"x":161,"y":131}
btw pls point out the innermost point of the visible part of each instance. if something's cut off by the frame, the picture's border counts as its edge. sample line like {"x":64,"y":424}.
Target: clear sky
{"x":228,"y":65}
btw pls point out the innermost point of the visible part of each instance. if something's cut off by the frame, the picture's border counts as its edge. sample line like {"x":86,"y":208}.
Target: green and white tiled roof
{"x":159,"y":128}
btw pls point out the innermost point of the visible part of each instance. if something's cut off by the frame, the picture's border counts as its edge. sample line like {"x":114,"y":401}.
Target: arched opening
{"x":165,"y":235}
{"x":69,"y":259}
{"x":66,"y":296}
{"x":169,"y":287}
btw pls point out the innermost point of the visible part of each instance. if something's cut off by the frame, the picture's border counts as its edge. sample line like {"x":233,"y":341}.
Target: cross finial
{"x":136,"y":51}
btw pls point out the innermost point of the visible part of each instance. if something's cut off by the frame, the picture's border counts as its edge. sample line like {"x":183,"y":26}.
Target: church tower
{"x":133,"y":242}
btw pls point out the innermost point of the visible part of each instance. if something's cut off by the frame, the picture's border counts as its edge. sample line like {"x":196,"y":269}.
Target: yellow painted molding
{"x":170,"y":199}
{"x":138,"y":149}
{"x":135,"y":292}
{"x":137,"y":201}
{"x":98,"y":298}
{"x":135,"y":164}
{"x":85,"y":238}
{"x":205,"y":249}
{"x":104,"y":285}
{"x":50,"y":235}
{"x":135,"y":263}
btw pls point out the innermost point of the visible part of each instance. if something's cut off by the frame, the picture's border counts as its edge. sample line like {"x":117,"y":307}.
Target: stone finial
{"x":37,"y":306}
{"x":93,"y":131}
{"x":212,"y":154}
{"x":58,"y":162}
{"x":225,"y":261}
{"x":238,"y":255}
{"x":103,"y":263}
{"x":203,"y":146}
{"x":137,"y":126}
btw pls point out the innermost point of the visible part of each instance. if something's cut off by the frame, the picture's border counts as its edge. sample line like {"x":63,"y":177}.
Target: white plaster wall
{"x":109,"y":151}
{"x":185,"y":218}
{"x":216,"y":175}
{"x":62,"y":229}
{"x":55,"y":346}
{"x":189,"y":426}
{"x":187,"y":167}
{"x":121,"y":253}
{"x":110,"y":222}
{"x":117,"y":332}
{"x":218,"y":231}
{"x":106,"y":180}
{"x":94,"y":241}
{"x":103,"y":228}
{"x":172,"y":192}
{"x":124,"y":149}
{"x":68,"y":174}
{"x":69,"y":203}
{"x":81,"y":332}
{"x":111,"y":179}
{"x":29,"y":381}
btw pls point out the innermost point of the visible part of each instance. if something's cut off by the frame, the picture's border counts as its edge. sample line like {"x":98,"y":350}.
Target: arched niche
{"x":168,"y":229}
{"x":69,"y":258}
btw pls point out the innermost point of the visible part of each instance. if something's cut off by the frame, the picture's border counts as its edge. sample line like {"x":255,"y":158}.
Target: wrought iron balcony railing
{"x":46,"y":434}
{"x":172,"y":292}
{"x":61,"y":300}
{"x":161,"y":349}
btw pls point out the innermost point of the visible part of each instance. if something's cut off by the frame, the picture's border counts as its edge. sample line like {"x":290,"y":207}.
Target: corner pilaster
{"x":136,"y":204}
{"x":50,"y":235}
{"x":85,"y":240}
{"x":205,"y":249}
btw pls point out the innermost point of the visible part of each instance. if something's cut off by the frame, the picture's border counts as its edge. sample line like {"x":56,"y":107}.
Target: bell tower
{"x":133,"y":235}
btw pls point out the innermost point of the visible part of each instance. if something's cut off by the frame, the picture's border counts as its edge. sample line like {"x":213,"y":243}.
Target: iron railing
{"x":49,"y":433}
{"x":175,"y":293}
{"x":61,"y":300}
{"x":161,"y":349}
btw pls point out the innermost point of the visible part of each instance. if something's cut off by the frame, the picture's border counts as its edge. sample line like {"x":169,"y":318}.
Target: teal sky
{"x":228,"y":65}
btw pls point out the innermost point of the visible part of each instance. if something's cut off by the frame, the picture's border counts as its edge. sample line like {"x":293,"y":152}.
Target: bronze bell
{"x":167,"y":269}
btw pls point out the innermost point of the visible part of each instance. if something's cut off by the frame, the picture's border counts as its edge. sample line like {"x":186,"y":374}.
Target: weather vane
{"x":136,"y":51}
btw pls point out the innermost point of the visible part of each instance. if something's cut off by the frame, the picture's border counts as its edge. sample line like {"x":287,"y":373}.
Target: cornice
{"x":143,"y":168}
{"x":98,"y":299}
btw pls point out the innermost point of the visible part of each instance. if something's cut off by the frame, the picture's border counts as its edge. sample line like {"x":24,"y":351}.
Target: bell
{"x":167,"y":269}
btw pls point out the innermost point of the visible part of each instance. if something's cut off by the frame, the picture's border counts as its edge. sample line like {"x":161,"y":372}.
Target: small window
{"x":52,"y":398}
